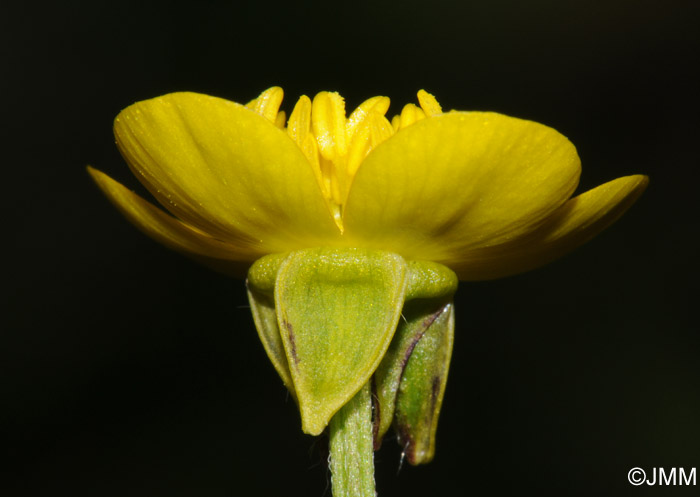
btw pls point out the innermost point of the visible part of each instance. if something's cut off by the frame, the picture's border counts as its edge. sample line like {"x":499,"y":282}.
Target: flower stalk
{"x":352,"y":447}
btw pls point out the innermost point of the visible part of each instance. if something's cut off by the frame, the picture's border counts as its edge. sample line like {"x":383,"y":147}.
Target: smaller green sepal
{"x":422,"y":388}
{"x":430,"y":280}
{"x":263,"y":273}
{"x":430,"y":287}
{"x":265,"y":317}
{"x":261,"y":284}
{"x":416,"y":319}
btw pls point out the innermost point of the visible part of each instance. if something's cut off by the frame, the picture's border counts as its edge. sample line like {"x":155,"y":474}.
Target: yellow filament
{"x":268,"y":103}
{"x":328,"y":122}
{"x":281,"y":119}
{"x":409,"y":115}
{"x":429,"y":104}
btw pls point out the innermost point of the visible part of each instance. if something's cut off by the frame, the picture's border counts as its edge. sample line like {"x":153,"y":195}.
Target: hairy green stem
{"x":351,"y":447}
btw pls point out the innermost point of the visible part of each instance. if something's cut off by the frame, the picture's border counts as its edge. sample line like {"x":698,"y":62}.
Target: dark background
{"x":129,"y":370}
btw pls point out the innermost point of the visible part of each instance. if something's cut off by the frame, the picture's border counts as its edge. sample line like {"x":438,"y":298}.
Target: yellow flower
{"x":484,"y":194}
{"x":360,"y":218}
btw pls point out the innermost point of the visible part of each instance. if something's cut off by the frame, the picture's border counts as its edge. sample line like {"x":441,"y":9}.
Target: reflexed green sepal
{"x":422,"y":387}
{"x":336,"y":311}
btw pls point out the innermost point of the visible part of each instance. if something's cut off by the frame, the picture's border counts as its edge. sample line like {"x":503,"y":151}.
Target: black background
{"x":129,"y":370}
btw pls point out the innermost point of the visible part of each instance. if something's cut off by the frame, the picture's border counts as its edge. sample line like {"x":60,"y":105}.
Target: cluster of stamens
{"x":336,"y":145}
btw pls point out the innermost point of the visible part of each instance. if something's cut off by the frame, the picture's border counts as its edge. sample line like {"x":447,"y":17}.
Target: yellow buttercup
{"x":353,"y":232}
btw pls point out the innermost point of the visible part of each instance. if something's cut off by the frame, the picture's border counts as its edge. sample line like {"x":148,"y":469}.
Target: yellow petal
{"x":225,"y":170}
{"x":457,"y":181}
{"x":171,"y":232}
{"x":573,"y":224}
